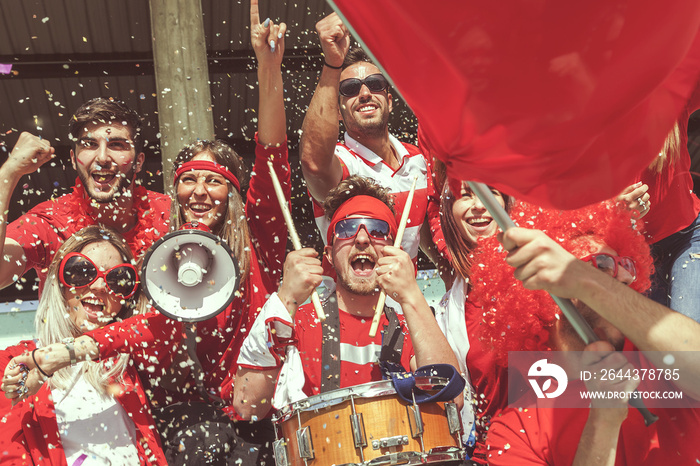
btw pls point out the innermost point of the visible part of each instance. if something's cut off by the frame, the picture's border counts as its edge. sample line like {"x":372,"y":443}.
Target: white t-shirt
{"x":359,"y":160}
{"x":94,"y":428}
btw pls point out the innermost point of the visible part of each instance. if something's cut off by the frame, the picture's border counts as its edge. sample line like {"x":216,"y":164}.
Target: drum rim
{"x":366,"y":390}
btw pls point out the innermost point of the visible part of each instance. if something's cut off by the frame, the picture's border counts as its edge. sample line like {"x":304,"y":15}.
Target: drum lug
{"x":387,"y":442}
{"x":306,"y":448}
{"x":358,"y":430}
{"x":415,"y":420}
{"x":279,"y":449}
{"x":453,"y":417}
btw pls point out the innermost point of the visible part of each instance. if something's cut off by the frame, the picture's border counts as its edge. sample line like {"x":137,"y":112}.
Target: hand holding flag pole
{"x":567,"y":307}
{"x":293,"y":235}
{"x":397,"y":243}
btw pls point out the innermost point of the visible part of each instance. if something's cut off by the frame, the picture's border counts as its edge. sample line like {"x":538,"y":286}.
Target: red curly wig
{"x":517,"y":319}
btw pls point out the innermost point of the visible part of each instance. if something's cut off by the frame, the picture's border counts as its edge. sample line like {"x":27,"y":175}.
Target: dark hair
{"x":234,"y":226}
{"x":106,"y":111}
{"x":352,"y":186}
{"x":459,"y":248}
{"x":356,"y":55}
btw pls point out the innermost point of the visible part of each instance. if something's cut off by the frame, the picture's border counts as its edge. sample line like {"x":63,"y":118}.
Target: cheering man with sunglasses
{"x":107,"y":155}
{"x":354,"y":90}
{"x":339,"y":352}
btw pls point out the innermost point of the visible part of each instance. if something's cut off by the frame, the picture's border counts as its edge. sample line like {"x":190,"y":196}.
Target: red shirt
{"x":359,"y":354}
{"x":43,"y":229}
{"x":489,"y":379}
{"x":30,"y":431}
{"x":550,"y":436}
{"x":671,"y":191}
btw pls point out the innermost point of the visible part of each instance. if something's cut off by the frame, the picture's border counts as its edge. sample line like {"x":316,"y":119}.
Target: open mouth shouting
{"x":362,"y":264}
{"x":102,"y":177}
{"x":199,"y":210}
{"x":94,"y":309}
{"x":480,"y":224}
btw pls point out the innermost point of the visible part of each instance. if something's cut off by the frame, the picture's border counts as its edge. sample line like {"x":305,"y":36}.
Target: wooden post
{"x":182,"y":78}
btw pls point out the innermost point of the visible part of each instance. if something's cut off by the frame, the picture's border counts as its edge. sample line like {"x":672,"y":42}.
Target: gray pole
{"x":182,"y":78}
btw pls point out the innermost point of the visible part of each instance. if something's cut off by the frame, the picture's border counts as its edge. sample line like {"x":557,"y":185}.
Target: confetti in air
{"x":5,"y":68}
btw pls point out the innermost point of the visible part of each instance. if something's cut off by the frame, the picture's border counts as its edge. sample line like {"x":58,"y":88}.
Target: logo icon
{"x":542,"y":368}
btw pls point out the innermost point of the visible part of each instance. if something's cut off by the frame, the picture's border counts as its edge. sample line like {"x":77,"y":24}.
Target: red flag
{"x":557,"y":103}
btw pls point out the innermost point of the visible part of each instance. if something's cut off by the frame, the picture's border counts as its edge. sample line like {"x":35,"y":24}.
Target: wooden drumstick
{"x":293,"y":234}
{"x":397,"y":242}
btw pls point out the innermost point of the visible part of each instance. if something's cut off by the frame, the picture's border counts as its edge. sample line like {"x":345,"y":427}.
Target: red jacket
{"x":29,"y":431}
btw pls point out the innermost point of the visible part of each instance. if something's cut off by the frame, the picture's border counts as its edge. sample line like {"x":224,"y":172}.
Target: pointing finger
{"x":254,"y":13}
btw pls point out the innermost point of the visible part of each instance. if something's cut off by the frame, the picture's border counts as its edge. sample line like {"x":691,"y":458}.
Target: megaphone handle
{"x":197,"y":371}
{"x":293,"y":235}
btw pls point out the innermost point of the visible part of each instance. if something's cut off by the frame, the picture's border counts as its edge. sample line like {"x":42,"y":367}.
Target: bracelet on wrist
{"x":325,"y":63}
{"x":69,"y":342}
{"x":37,"y":365}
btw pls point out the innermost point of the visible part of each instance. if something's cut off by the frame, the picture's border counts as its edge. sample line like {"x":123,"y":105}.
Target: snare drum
{"x":368,"y":424}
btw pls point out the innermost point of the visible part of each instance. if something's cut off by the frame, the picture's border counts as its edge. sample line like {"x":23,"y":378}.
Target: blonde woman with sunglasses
{"x":90,"y":412}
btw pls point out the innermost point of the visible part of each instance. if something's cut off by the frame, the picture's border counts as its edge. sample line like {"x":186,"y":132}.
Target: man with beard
{"x":107,"y":154}
{"x":352,"y":89}
{"x":339,"y":352}
{"x":597,"y":258}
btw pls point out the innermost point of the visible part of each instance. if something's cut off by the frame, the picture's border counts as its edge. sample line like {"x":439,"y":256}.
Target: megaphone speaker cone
{"x":190,"y":275}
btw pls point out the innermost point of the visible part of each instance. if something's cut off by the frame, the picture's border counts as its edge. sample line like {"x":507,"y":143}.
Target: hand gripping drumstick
{"x":397,"y":242}
{"x":293,"y":234}
{"x":567,"y":307}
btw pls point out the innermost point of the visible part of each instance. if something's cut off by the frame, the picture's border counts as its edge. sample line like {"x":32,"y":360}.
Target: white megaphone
{"x":190,"y":275}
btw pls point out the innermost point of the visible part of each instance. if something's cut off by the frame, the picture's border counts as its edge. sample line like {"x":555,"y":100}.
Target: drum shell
{"x":383,"y":417}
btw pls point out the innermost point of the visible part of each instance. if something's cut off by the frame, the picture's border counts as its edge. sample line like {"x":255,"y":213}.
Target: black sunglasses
{"x":351,"y":87}
{"x":375,"y":228}
{"x":78,"y":271}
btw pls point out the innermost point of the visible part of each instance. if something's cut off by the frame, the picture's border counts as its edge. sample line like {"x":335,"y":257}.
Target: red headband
{"x":209,"y":166}
{"x":366,"y":207}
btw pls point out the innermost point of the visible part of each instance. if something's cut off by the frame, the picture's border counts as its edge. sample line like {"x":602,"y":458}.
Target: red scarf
{"x":139,"y":238}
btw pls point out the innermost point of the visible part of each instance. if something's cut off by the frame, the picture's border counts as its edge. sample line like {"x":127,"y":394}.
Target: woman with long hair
{"x":464,"y":220}
{"x":92,"y":282}
{"x":201,"y":428}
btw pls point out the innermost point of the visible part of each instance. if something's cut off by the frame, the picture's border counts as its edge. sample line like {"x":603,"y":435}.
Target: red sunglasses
{"x":78,"y":271}
{"x":609,"y":263}
{"x":349,"y":228}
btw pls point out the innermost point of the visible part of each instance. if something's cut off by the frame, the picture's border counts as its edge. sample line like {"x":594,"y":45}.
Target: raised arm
{"x":267,"y":39}
{"x":321,"y":168}
{"x":395,"y":274}
{"x":26,"y":157}
{"x":542,"y":264}
{"x":262,"y":208}
{"x":599,"y":439}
